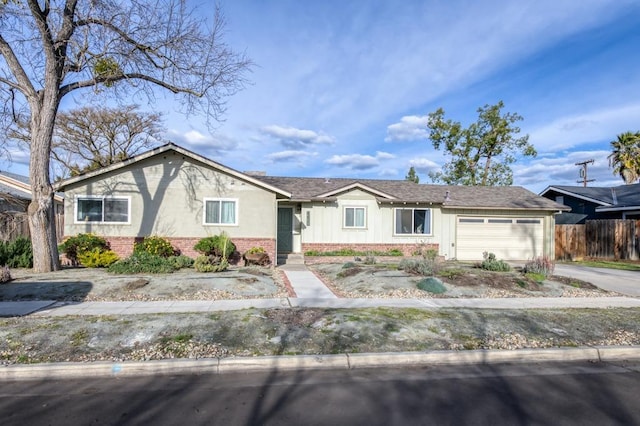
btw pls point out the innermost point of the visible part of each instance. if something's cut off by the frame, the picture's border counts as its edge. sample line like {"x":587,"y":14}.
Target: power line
{"x":583,"y":172}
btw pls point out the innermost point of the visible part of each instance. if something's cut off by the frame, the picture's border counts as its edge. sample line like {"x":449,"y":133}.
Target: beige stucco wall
{"x":326,"y":222}
{"x":167,"y":193}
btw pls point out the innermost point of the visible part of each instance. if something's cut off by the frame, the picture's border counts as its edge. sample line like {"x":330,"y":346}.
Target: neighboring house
{"x":15,"y":194}
{"x":587,"y":203}
{"x":175,"y":193}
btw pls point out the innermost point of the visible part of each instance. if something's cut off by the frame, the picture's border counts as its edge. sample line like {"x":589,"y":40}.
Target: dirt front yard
{"x":84,"y":284}
{"x":459,"y":281}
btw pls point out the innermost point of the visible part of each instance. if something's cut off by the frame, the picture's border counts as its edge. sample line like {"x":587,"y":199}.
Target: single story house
{"x":175,"y":193}
{"x":588,"y":203}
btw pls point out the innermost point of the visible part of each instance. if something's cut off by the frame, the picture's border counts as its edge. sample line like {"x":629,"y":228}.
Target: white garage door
{"x":508,"y":238}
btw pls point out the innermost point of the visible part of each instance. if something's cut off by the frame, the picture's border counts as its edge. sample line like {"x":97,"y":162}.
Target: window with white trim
{"x":103,"y":209}
{"x":413,"y":221}
{"x":220,"y":211}
{"x":355,"y":217}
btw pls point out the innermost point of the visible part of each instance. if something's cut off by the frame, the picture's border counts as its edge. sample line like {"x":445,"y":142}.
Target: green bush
{"x":490,"y":263}
{"x":432,"y":285}
{"x":542,"y":265}
{"x":210,"y":264}
{"x":218,"y":245}
{"x":97,"y":258}
{"x":349,"y":265}
{"x":156,"y":246}
{"x":17,"y":253}
{"x":255,"y":250}
{"x":416,"y":266}
{"x":180,"y":262}
{"x":74,"y":246}
{"x":142,"y":263}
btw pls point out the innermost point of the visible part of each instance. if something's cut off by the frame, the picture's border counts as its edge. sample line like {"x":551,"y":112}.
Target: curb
{"x":310,"y":362}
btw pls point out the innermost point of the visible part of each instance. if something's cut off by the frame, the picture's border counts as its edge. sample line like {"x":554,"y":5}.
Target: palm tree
{"x":625,"y":156}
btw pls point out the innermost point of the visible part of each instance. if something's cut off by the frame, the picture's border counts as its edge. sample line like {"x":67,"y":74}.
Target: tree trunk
{"x":41,"y":209}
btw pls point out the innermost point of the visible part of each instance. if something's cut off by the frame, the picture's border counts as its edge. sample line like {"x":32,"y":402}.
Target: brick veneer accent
{"x":123,"y":246}
{"x":406,"y":249}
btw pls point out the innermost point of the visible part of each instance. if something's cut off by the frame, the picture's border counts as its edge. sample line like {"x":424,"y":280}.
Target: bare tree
{"x":51,"y":48}
{"x":89,"y":138}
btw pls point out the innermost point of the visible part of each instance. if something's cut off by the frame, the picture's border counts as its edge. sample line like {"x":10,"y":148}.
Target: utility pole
{"x":583,"y":172}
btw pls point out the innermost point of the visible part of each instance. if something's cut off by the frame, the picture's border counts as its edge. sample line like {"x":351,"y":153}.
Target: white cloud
{"x":542,"y":172}
{"x":410,"y":128}
{"x":210,"y":144}
{"x":423,"y":165}
{"x":296,"y":138}
{"x":360,"y":161}
{"x":291,"y":155}
{"x":594,"y":126}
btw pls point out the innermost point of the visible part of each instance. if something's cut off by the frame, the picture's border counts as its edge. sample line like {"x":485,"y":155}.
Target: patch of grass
{"x":536,"y":276}
{"x":178,"y":338}
{"x":521,"y":283}
{"x":408,"y":314}
{"x":79,"y":337}
{"x":610,"y":264}
{"x":451,"y":273}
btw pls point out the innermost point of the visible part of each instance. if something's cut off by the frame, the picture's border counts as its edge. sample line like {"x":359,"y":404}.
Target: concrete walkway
{"x":51,"y":308}
{"x":305,"y":283}
{"x":620,"y":281}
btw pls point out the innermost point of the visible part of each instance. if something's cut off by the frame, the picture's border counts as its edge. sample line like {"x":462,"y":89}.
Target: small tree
{"x":481,"y":153}
{"x":412,"y":176}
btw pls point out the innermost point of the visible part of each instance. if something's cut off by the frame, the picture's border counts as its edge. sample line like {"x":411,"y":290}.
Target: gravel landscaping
{"x":459,"y":281}
{"x":96,"y":285}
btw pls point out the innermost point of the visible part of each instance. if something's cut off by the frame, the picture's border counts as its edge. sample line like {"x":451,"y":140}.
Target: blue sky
{"x":342,"y":88}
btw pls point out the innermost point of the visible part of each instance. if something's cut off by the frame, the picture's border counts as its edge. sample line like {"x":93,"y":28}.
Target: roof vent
{"x":614,"y":196}
{"x":446,"y":196}
{"x":326,"y":180}
{"x":255,"y":173}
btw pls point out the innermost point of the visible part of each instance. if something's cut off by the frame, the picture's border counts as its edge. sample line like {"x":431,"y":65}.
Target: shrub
{"x":17,"y":253}
{"x":218,"y":245}
{"x":540,"y":265}
{"x":395,"y":252}
{"x":432,"y":285}
{"x":255,"y":250}
{"x":97,"y":258}
{"x":416,"y":266}
{"x":490,"y":263}
{"x":210,"y":264}
{"x":156,"y":246}
{"x":370,"y":259}
{"x":180,"y":262}
{"x":349,"y":265}
{"x":142,"y":263}
{"x":72,"y":247}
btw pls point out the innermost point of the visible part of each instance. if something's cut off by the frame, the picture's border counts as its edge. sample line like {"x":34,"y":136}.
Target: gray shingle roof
{"x":627,"y":195}
{"x":507,"y":197}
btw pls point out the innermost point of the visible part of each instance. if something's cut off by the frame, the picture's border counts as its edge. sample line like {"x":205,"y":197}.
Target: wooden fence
{"x":14,"y":225}
{"x":605,"y":239}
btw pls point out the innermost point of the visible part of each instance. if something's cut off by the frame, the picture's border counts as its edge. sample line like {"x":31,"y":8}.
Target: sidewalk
{"x":52,"y":308}
{"x":311,"y":293}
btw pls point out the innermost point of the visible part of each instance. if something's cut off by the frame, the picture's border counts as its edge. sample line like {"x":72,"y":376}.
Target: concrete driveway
{"x":625,"y":282}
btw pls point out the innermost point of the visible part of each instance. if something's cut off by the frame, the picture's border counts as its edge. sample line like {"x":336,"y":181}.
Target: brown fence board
{"x":604,"y":239}
{"x":16,"y":225}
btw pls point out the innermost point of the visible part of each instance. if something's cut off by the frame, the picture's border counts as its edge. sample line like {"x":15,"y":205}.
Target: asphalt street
{"x":579,"y":393}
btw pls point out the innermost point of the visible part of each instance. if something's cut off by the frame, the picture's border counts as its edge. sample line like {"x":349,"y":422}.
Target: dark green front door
{"x":285,"y":229}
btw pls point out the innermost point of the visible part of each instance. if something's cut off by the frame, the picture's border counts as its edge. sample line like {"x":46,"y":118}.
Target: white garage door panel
{"x":507,"y":238}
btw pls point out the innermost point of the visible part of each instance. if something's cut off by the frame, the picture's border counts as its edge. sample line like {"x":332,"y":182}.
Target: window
{"x":354,"y":217}
{"x":470,"y":220}
{"x":529,"y":221}
{"x":102,"y":209}
{"x":413,"y":221}
{"x":220,"y":211}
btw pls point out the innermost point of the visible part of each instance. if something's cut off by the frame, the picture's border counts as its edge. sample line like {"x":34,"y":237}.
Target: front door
{"x":285,"y":229}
